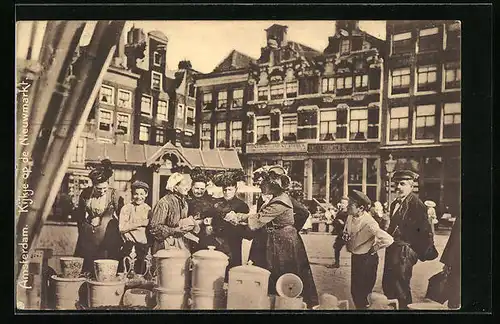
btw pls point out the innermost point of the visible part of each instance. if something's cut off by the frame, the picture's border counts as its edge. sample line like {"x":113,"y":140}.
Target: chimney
{"x":277,"y":33}
{"x":119,"y":58}
{"x":348,"y":25}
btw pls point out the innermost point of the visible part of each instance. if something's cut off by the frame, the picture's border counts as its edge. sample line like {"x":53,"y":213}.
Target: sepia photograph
{"x":309,"y":165}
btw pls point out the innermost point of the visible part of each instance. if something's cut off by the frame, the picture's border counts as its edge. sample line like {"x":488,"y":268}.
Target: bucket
{"x":170,"y":299}
{"x":67,"y":292}
{"x":105,"y":270}
{"x":289,"y":285}
{"x":71,"y":267}
{"x":108,"y":293}
{"x":207,"y":299}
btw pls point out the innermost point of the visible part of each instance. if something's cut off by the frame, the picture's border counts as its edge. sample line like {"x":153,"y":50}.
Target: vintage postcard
{"x":238,"y":165}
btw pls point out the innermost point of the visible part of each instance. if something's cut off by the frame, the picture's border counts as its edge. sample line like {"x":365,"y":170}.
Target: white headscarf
{"x":174,"y":180}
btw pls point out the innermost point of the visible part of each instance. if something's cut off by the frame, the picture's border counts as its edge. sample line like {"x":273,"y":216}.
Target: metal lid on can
{"x":250,"y":268}
{"x":172,"y":254}
{"x":211,"y":254}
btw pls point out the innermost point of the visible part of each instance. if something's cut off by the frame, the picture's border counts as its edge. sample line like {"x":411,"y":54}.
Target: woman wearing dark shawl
{"x":276,"y":245}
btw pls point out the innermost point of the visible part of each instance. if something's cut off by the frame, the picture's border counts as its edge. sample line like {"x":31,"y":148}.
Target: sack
{"x":430,"y":254}
{"x":437,"y":290}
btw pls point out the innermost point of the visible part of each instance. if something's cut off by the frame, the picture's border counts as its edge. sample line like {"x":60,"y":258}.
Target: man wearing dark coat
{"x":412,"y":233}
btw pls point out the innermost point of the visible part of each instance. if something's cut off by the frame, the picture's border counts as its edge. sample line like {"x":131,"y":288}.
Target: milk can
{"x":67,"y":292}
{"x":209,"y":269}
{"x":172,"y":267}
{"x":248,"y":286}
{"x":105,"y":293}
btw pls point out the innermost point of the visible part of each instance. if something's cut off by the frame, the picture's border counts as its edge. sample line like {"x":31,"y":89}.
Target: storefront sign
{"x":277,"y":148}
{"x":342,"y":147}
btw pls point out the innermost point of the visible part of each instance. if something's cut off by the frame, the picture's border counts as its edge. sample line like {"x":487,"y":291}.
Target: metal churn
{"x":248,"y":286}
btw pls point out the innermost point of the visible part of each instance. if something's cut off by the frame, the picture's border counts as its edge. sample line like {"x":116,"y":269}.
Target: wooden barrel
{"x":67,"y":292}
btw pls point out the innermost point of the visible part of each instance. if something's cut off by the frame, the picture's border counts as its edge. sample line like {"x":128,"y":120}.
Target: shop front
{"x":439,"y":169}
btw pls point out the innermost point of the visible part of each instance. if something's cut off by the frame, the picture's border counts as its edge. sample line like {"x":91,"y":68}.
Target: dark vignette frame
{"x":477,"y":128}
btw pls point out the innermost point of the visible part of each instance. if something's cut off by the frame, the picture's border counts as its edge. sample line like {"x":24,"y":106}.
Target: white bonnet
{"x":174,"y":180}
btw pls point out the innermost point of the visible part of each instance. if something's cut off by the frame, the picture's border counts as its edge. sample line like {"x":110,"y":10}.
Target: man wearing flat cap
{"x":413,"y":239}
{"x":363,"y":238}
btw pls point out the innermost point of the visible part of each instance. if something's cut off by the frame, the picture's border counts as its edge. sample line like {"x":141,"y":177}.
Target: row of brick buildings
{"x":331,"y":117}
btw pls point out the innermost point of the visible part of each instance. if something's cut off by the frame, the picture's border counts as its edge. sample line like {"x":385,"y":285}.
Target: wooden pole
{"x":56,"y":160}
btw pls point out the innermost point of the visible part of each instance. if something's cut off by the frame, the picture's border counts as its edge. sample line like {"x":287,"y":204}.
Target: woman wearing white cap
{"x":170,"y":221}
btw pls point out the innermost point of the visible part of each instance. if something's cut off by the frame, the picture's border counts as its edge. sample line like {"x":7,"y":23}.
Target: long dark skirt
{"x":104,"y":243}
{"x":282,"y":251}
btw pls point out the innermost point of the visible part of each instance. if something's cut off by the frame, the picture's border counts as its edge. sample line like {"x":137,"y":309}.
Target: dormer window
{"x":157,"y":58}
{"x":345,"y":46}
{"x":156,"y":80}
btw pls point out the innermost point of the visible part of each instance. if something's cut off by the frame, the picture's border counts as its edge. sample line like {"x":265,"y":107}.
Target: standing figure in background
{"x":276,"y":245}
{"x":170,"y":222}
{"x":201,"y":207}
{"x":377,"y":212}
{"x":431,"y":213}
{"x":412,"y":235}
{"x":133,"y":220}
{"x":96,"y":216}
{"x":338,"y":228}
{"x":363,"y":239}
{"x":228,"y":237}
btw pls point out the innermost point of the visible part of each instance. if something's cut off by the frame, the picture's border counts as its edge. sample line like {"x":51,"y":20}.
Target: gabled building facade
{"x":422,"y":106}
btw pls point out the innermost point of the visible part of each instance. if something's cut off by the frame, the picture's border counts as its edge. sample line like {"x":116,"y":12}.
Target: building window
{"x":452,"y":120}
{"x":207,"y":100}
{"x":263,"y":93}
{"x":250,"y":128}
{"x":222,"y":100}
{"x":402,"y":43}
{"x":292,"y":89}
{"x":342,"y":118}
{"x":308,"y":85}
{"x":328,"y":85}
{"x":344,"y":83}
{"x":236,"y":133}
{"x":263,"y":129}
{"x":275,"y":127}
{"x":425,"y":122}
{"x":156,"y":80}
{"x":191,"y":90}
{"x":162,"y":110}
{"x":345,"y":46}
{"x":206,"y":135}
{"x":237,"y":98}
{"x":328,"y":125}
{"x":354,"y":174}
{"x":358,"y":125}
{"x":429,"y":39}
{"x":361,"y":82}
{"x":156,"y":58}
{"x":124,"y":98}
{"x":398,"y":124}
{"x":105,"y":120}
{"x":453,"y":76}
{"x":290,"y":128}
{"x":372,"y":171}
{"x":123,"y":123}
{"x":160,"y":136}
{"x":453,"y":31}
{"x":400,"y":81}
{"x":144,"y":133}
{"x":79,"y":153}
{"x":146,"y":106}
{"x":277,"y":91}
{"x":221,"y":134}
{"x":190,"y":116}
{"x":427,"y":76}
{"x":307,"y":125}
{"x":107,"y":95}
{"x":319,"y":179}
{"x":373,"y":122}
{"x":180,"y":111}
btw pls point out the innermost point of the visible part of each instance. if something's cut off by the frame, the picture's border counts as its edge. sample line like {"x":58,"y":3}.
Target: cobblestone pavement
{"x":337,"y":281}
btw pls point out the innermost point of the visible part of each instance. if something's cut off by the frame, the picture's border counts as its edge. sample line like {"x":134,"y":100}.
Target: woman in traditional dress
{"x":228,"y":237}
{"x":96,"y":216}
{"x":277,"y":245}
{"x":170,"y":222}
{"x":134,"y":217}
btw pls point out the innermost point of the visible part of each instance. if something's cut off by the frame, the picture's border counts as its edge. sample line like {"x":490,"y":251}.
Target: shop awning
{"x":140,"y":154}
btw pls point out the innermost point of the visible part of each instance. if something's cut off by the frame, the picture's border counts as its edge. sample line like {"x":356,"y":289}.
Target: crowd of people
{"x":187,"y":217}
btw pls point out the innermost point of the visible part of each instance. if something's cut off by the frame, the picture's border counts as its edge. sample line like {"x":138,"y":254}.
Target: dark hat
{"x":102,"y":172}
{"x":404,"y":175}
{"x":360,"y":198}
{"x":280,"y":180}
{"x":140,"y":185}
{"x":228,"y":178}
{"x":198,"y":175}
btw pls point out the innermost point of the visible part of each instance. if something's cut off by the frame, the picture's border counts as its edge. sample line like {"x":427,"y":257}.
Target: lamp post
{"x":389,"y":167}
